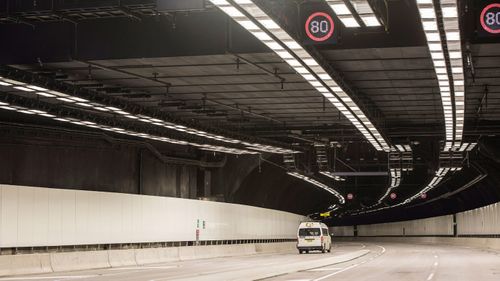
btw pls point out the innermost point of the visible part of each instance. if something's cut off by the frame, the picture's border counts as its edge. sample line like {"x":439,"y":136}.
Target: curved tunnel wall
{"x":32,"y":216}
{"x":481,"y":222}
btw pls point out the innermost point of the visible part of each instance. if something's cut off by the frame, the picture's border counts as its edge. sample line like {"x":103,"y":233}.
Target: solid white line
{"x":337,"y":272}
{"x":325,"y":269}
{"x":430,"y":276}
{"x":142,"y":267}
{"x":349,"y":267}
{"x":50,"y":277}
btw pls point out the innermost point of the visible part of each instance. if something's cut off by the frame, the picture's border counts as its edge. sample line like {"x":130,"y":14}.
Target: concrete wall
{"x":68,"y":261}
{"x":430,"y":226}
{"x":342,"y":230}
{"x":32,"y":216}
{"x":481,"y":221}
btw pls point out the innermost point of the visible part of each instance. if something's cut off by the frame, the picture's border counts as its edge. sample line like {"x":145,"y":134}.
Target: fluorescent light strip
{"x":318,"y":184}
{"x":332,"y":176}
{"x":454,"y":121}
{"x":75,"y":121}
{"x":302,"y":66}
{"x":147,"y":119}
{"x":365,"y":12}
{"x":343,"y":13}
{"x":430,"y":25}
{"x":449,"y":9}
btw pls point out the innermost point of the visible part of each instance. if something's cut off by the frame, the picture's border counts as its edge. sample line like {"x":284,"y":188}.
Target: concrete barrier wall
{"x":32,"y":216}
{"x":481,"y":221}
{"x":473,"y":242}
{"x":342,"y":230}
{"x":431,"y":226}
{"x":59,"y":262}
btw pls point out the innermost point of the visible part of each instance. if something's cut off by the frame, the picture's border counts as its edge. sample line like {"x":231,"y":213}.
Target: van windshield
{"x":309,"y":232}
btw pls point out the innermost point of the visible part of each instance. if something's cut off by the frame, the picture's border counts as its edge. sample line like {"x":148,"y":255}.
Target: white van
{"x":313,"y":236}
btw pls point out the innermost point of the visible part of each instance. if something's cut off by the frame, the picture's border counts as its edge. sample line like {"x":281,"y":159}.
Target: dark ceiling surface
{"x":189,"y":61}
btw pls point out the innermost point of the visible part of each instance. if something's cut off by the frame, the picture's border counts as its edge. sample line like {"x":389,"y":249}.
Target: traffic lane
{"x":204,"y":269}
{"x":410,"y":262}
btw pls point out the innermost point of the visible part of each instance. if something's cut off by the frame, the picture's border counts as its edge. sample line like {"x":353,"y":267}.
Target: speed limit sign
{"x":319,"y":26}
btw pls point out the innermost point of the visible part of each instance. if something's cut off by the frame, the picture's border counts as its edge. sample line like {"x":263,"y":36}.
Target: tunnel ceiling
{"x":191,"y":65}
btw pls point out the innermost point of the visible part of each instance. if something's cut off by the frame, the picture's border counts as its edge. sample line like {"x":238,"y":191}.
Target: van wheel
{"x":300,"y":251}
{"x":329,"y":250}
{"x":307,"y":251}
{"x":323,"y":250}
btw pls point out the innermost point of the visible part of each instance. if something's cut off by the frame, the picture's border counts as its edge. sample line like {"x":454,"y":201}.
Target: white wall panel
{"x":481,"y":221}
{"x":431,"y":226}
{"x":51,"y":217}
{"x":342,"y":230}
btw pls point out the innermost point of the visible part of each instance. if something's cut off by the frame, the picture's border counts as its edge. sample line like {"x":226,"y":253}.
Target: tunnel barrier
{"x":52,"y":230}
{"x":478,"y":228}
{"x":34,"y":217}
{"x":482,"y":222}
{"x":69,"y":261}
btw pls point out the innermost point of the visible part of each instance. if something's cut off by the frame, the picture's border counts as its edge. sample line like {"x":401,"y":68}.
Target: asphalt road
{"x":378,"y":262}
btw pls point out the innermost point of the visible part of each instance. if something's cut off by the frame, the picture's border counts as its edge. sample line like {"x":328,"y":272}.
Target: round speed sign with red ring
{"x":319,"y":26}
{"x":490,"y":18}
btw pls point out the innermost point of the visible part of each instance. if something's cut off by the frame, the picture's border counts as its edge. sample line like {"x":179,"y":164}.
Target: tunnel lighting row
{"x":332,"y":176}
{"x":206,"y":147}
{"x":83,"y":103}
{"x":257,"y":22}
{"x":395,"y":175}
{"x":438,"y":177}
{"x":318,"y":184}
{"x":451,"y":84}
{"x":362,"y":8}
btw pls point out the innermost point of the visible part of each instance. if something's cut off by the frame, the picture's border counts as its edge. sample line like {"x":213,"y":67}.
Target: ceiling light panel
{"x":300,"y":60}
{"x":365,"y":12}
{"x":449,"y":9}
{"x":73,"y":100}
{"x":75,"y":121}
{"x":318,"y":184}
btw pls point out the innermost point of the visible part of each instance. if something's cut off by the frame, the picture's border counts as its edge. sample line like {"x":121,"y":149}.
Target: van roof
{"x":312,"y":224}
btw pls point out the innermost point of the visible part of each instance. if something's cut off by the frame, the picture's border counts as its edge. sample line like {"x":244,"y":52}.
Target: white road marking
{"x":337,"y":272}
{"x":430,"y":276}
{"x":435,"y":256}
{"x":436,"y":263}
{"x":142,"y":267}
{"x":325,"y":269}
{"x":49,"y":277}
{"x":350,"y":267}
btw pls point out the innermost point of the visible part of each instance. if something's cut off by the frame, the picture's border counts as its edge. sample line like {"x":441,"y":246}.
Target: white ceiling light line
{"x":454,"y":109}
{"x":318,"y":184}
{"x":214,"y":148}
{"x":343,"y":13}
{"x":66,"y":98}
{"x":449,"y":11}
{"x":431,"y":30}
{"x":362,"y":7}
{"x":300,"y":60}
{"x":332,"y":176}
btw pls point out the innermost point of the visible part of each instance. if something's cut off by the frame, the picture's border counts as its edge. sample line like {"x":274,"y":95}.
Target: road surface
{"x":366,"y":262}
